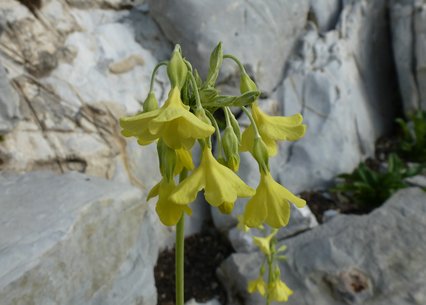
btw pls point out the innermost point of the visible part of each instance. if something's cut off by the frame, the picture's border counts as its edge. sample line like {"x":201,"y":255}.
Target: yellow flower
{"x":270,"y":204}
{"x":183,"y":160}
{"x":278,"y":291}
{"x":272,"y":129}
{"x":172,"y":122}
{"x":241,"y":224}
{"x":257,"y":285}
{"x":168,"y":212}
{"x":264,"y":243}
{"x":221,"y":185}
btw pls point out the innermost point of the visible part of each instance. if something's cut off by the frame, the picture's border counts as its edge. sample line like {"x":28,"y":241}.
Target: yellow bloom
{"x":264,"y":243}
{"x":183,"y":160}
{"x":257,"y":285}
{"x":172,"y":122}
{"x":241,"y":224}
{"x":221,"y":185}
{"x":272,"y":129}
{"x":270,"y":204}
{"x":278,"y":291}
{"x":168,"y":212}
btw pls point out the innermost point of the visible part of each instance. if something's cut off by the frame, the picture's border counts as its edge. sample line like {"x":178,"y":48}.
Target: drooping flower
{"x":221,"y":185}
{"x":257,"y":285}
{"x":168,"y":211}
{"x":272,"y":129}
{"x":173,"y":122}
{"x":264,"y":243}
{"x":270,"y":204}
{"x":278,"y":291}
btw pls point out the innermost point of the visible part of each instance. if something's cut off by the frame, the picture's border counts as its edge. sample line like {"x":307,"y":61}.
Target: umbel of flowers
{"x":187,"y":117}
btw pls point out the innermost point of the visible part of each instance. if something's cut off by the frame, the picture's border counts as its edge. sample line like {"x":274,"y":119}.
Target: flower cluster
{"x":274,"y":289}
{"x":189,"y":115}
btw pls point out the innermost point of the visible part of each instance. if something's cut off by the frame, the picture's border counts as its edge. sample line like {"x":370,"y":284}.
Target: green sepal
{"x":150,"y":102}
{"x":230,"y":145}
{"x":247,"y":84}
{"x":216,"y":59}
{"x":235,"y":125}
{"x":177,"y":69}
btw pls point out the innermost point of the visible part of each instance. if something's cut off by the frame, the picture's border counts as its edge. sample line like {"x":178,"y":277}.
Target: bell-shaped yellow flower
{"x":168,"y":211}
{"x":173,"y":122}
{"x":272,"y":129}
{"x":270,"y":204}
{"x":257,"y":285}
{"x":264,"y":243}
{"x":221,"y":185}
{"x":278,"y":291}
{"x":183,"y":160}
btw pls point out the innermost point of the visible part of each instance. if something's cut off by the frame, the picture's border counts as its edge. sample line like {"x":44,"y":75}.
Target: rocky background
{"x":74,"y":224}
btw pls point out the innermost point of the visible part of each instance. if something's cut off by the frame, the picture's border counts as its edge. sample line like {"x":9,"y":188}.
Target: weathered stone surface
{"x":371,"y":259}
{"x":260,"y":33}
{"x":75,"y":239}
{"x":210,"y":302}
{"x":408,"y":23}
{"x":325,"y":13}
{"x":9,"y":104}
{"x":343,"y":84}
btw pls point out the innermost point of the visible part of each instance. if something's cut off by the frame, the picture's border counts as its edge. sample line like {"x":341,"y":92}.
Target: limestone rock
{"x":260,"y":33}
{"x":9,"y":104}
{"x":343,"y":84}
{"x":75,"y":239}
{"x":373,"y":259}
{"x":408,"y":23}
{"x":325,"y":13}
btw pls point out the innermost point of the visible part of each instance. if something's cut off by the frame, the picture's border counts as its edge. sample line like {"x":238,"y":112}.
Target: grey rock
{"x":408,"y":19}
{"x":342,"y":84}
{"x":369,"y":259}
{"x":260,"y":33}
{"x":325,"y":13}
{"x":75,"y":239}
{"x":210,"y":302}
{"x":9,"y":104}
{"x":419,"y":180}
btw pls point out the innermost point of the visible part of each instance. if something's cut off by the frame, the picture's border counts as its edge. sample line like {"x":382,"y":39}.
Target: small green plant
{"x":370,"y":188}
{"x":413,"y":142}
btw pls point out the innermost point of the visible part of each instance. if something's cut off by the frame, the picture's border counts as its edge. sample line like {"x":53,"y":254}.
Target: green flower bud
{"x":177,"y":69}
{"x":167,"y":158}
{"x":260,"y":153}
{"x":150,"y":102}
{"x":235,"y":125}
{"x":201,"y":114}
{"x":246,"y":83}
{"x":230,"y":146}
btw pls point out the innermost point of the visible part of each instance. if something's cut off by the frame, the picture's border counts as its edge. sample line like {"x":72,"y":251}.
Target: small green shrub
{"x":412,"y":145}
{"x":370,"y":188}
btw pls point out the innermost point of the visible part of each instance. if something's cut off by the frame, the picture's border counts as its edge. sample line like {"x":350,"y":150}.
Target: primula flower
{"x":264,"y":243}
{"x":221,"y":185}
{"x":172,"y":122}
{"x":278,"y":291}
{"x":168,"y":212}
{"x":270,"y":204}
{"x":257,"y":285}
{"x":272,"y":129}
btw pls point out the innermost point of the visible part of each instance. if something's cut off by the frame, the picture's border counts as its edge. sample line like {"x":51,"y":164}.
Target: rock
{"x":408,"y":19}
{"x":325,"y":13}
{"x":75,"y":239}
{"x":110,"y":4}
{"x":9,"y":104}
{"x":367,"y":259}
{"x":419,"y":181}
{"x":211,"y":302}
{"x":262,"y":35}
{"x":342,"y":84}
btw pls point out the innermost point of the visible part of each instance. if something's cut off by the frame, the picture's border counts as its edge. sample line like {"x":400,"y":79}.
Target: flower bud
{"x":260,"y":153}
{"x":246,"y":83}
{"x":177,"y":69}
{"x":167,"y":159}
{"x":150,"y":102}
{"x":201,"y":114}
{"x":235,"y":125}
{"x":230,"y":147}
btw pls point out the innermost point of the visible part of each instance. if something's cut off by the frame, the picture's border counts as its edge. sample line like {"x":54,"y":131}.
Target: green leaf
{"x":235,"y":101}
{"x":216,"y":59}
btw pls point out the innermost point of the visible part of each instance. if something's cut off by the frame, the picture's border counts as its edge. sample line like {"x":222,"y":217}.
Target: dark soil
{"x":204,"y":253}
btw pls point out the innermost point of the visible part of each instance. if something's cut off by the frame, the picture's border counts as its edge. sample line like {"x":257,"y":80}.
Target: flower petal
{"x":256,"y":211}
{"x":187,"y":190}
{"x":154,"y":191}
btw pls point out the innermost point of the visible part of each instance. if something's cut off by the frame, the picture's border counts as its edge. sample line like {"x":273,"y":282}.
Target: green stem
{"x":154,"y":72}
{"x":240,"y":65}
{"x":197,"y":95}
{"x":270,"y":278}
{"x":256,"y":130}
{"x":228,"y":120}
{"x":180,"y":245}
